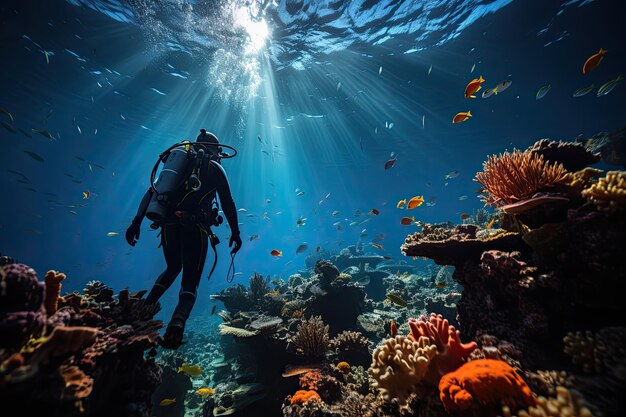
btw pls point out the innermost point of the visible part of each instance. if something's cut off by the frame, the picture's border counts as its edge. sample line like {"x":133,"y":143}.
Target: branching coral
{"x":566,"y":404}
{"x":515,"y":176}
{"x":350,"y":346}
{"x":451,"y":353}
{"x":258,"y":287}
{"x":399,"y":365}
{"x":484,"y":385}
{"x":311,"y":338}
{"x":609,"y":193}
{"x":53,"y":290}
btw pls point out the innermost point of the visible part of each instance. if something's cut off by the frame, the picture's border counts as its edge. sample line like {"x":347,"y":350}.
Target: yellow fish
{"x":112,"y":234}
{"x":167,"y":401}
{"x":415,"y":202}
{"x":401,"y":203}
{"x":86,"y":194}
{"x":191,"y":370}
{"x":493,"y":219}
{"x":206,"y":391}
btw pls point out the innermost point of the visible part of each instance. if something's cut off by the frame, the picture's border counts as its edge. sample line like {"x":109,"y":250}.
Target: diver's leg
{"x":195,"y":242}
{"x":171,"y":242}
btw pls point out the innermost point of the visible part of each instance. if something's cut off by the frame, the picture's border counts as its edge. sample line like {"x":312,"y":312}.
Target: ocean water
{"x":315,"y":95}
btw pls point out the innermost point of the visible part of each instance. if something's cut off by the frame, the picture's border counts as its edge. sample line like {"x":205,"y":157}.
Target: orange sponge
{"x":53,"y":291}
{"x":484,"y":385}
{"x":303,"y":396}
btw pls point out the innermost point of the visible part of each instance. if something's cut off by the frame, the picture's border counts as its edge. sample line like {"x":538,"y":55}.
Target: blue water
{"x":321,"y":90}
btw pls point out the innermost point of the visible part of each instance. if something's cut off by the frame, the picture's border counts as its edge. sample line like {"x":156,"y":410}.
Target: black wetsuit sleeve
{"x":143,"y":206}
{"x":226,"y":198}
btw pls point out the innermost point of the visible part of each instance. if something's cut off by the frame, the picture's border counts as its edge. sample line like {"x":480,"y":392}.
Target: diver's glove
{"x":132,"y":233}
{"x":236,"y":239}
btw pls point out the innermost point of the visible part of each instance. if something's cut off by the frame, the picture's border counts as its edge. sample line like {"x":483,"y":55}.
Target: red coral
{"x":482,"y":387}
{"x":451,"y":353}
{"x":327,"y":386}
{"x":303,"y":396}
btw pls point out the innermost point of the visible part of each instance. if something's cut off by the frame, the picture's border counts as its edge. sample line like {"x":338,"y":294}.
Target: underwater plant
{"x":514,"y":176}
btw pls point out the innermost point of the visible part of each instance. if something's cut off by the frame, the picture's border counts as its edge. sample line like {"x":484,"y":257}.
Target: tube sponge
{"x":53,"y":291}
{"x":486,"y":384}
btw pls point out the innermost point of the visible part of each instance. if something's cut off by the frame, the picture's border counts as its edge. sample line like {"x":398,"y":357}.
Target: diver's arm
{"x":226,"y":198}
{"x":143,"y":206}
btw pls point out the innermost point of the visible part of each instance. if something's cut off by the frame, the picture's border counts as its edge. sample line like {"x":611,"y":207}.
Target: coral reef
{"x":609,"y":193}
{"x":566,"y":404}
{"x":610,"y":145}
{"x":311,"y":338}
{"x":351,"y":347}
{"x":573,"y":155}
{"x":484,"y":385}
{"x":52,"y":280}
{"x":514,"y":176}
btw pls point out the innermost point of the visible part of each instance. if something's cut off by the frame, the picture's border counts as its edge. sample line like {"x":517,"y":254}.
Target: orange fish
{"x":415,"y":202}
{"x":461,"y":117}
{"x":405,"y":221}
{"x":374,"y":212}
{"x":593,"y":61}
{"x":378,"y":246}
{"x":393,"y":329}
{"x":401,"y":204}
{"x":493,"y":219}
{"x":276,"y":252}
{"x":465,"y":216}
{"x":473,"y":87}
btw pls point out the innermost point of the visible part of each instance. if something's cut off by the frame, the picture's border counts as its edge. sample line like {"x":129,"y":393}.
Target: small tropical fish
{"x":415,"y":202}
{"x":259,"y":138}
{"x":462,"y":198}
{"x":378,"y":246}
{"x":86,"y":194}
{"x":593,"y":61}
{"x":423,"y":121}
{"x":497,"y":89}
{"x":301,"y":221}
{"x":276,"y":252}
{"x":335,"y":213}
{"x":543,"y":91}
{"x":390,"y":163}
{"x":191,"y":370}
{"x":430,"y":69}
{"x":473,"y":68}
{"x":583,"y":91}
{"x":205,"y":391}
{"x":374,"y":212}
{"x":608,"y":87}
{"x":405,"y":221}
{"x":43,"y":133}
{"x":33,"y":155}
{"x":465,"y":216}
{"x":254,"y":237}
{"x":393,"y":329}
{"x":8,"y":127}
{"x":380,"y":70}
{"x":452,"y":174}
{"x":401,"y":204}
{"x":167,"y":401}
{"x":473,"y":86}
{"x":213,"y":309}
{"x":394,"y":299}
{"x":73,"y":212}
{"x":493,"y":219}
{"x":110,"y":234}
{"x":301,"y":248}
{"x":461,"y":117}
{"x":8,"y":113}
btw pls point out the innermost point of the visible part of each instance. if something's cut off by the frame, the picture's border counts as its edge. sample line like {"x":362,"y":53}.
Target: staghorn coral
{"x":514,"y":176}
{"x":609,"y":193}
{"x":53,"y":290}
{"x":480,"y":387}
{"x":325,"y":385}
{"x":451,"y":353}
{"x":311,"y":338}
{"x":399,"y":365}
{"x":304,"y":396}
{"x":566,"y":404}
{"x":447,"y":245}
{"x":603,"y":352}
{"x":22,"y":311}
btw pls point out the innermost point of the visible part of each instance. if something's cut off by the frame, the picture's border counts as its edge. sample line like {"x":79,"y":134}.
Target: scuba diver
{"x":182,"y":202}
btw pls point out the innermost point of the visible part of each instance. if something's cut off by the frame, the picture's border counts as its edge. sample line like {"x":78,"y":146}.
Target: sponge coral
{"x":399,"y":365}
{"x":609,"y":193}
{"x":484,"y":385}
{"x":451,"y":353}
{"x":566,"y":404}
{"x":515,"y":176}
{"x":53,"y":291}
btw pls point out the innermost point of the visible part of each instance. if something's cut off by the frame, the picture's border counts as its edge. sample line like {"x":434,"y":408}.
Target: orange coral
{"x":53,"y":290}
{"x":303,"y":396}
{"x":77,"y":384}
{"x":486,"y":385}
{"x":343,"y":367}
{"x":511,"y":177}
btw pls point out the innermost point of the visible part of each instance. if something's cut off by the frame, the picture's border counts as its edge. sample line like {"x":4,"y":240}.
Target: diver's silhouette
{"x":182,"y":202}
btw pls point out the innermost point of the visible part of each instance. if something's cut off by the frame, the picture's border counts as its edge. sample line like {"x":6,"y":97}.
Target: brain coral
{"x":303,"y":396}
{"x":399,"y":364}
{"x":483,"y":386}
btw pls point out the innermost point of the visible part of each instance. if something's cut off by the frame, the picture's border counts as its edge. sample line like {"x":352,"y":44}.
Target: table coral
{"x":483,"y":386}
{"x":399,"y":365}
{"x":609,"y":193}
{"x":451,"y":353}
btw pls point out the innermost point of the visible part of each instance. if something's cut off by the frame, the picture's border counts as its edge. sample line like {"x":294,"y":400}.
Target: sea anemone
{"x":515,"y":176}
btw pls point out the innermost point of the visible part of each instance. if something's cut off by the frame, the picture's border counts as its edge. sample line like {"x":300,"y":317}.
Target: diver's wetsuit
{"x":185,"y":243}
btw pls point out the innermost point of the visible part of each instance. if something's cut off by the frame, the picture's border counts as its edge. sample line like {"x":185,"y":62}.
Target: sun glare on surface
{"x":257,"y":30}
